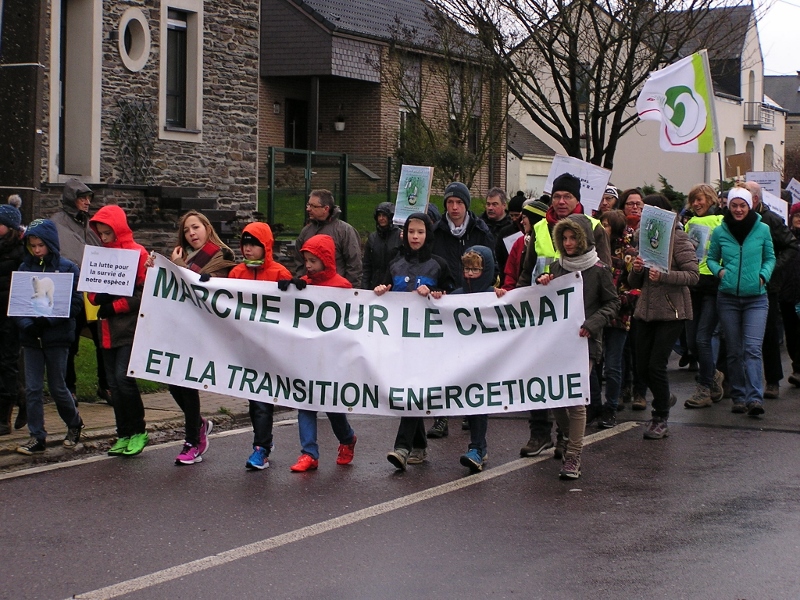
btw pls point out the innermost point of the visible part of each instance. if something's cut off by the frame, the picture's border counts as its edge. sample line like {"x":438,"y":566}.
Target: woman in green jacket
{"x":742,"y":257}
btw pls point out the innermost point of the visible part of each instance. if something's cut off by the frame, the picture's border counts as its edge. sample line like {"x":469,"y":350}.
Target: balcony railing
{"x":758,"y":116}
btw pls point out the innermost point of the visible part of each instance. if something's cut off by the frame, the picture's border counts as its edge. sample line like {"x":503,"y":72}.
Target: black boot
{"x":6,"y":406}
{"x":22,"y":415}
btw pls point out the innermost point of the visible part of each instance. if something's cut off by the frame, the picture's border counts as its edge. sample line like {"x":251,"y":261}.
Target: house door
{"x":296,"y":126}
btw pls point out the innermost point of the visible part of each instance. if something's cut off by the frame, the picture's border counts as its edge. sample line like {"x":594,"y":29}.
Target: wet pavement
{"x":710,"y":512}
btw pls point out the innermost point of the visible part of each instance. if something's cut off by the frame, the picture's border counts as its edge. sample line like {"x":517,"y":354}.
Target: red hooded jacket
{"x":270,"y":270}
{"x":323,"y":248}
{"x":118,"y":329}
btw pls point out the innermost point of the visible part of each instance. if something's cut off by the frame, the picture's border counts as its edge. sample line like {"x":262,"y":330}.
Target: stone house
{"x":153,"y":104}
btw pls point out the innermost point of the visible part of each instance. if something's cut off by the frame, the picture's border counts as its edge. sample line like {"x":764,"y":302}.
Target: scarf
{"x":740,"y":229}
{"x":200,"y":258}
{"x":579,"y":263}
{"x":459,"y":231}
{"x":552,"y":219}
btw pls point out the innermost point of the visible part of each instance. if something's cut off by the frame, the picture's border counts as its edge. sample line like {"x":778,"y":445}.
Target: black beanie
{"x":249,"y":238}
{"x":567,"y":182}
{"x":515,"y":204}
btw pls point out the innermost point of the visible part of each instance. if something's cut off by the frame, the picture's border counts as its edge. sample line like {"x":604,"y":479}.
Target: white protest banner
{"x":38,"y":294}
{"x":794,"y":189}
{"x":776,"y":204}
{"x":413,"y":192}
{"x":655,"y":237}
{"x":594,"y":179}
{"x":108,"y":271}
{"x":345,"y":350}
{"x":770,"y":181}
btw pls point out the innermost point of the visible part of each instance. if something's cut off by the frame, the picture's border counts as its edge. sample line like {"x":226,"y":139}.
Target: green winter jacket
{"x":745,"y":265}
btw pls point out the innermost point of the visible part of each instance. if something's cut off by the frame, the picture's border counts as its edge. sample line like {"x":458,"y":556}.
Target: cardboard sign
{"x":776,"y":205}
{"x":108,"y":271}
{"x":794,"y":190}
{"x":736,"y":165}
{"x":413,"y":192}
{"x":594,"y":179}
{"x":770,"y":181}
{"x":38,"y":294}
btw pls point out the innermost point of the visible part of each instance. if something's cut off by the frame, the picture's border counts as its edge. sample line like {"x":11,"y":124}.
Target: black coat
{"x":450,"y":248}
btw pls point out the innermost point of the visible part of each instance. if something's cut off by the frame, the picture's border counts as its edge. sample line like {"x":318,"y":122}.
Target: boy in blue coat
{"x":46,"y":341}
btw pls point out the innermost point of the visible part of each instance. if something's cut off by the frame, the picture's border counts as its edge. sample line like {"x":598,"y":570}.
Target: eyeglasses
{"x":635,"y":204}
{"x":473,"y":270}
{"x":309,"y":205}
{"x":556,"y":197}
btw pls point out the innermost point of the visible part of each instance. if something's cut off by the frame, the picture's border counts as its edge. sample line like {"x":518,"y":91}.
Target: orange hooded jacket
{"x":323,"y":248}
{"x":270,"y":270}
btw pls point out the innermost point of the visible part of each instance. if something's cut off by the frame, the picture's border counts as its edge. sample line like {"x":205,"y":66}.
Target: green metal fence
{"x":358,"y":183}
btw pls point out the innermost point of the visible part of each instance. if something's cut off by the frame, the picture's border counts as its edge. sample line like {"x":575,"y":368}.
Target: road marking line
{"x":91,"y":459}
{"x":202,"y":564}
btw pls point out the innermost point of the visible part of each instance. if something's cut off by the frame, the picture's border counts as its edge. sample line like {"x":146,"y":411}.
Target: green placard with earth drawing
{"x":655,"y":238}
{"x":413,"y":192}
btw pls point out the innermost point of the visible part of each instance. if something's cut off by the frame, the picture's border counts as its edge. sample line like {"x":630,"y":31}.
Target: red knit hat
{"x":794,"y":209}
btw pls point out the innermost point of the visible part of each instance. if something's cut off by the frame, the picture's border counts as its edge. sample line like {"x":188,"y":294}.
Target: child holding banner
{"x":200,"y":250}
{"x":573,"y":237}
{"x":46,"y":341}
{"x":258,"y":265}
{"x":117,"y":318}
{"x":418,"y":270}
{"x":319,"y":255}
{"x":479,"y":276}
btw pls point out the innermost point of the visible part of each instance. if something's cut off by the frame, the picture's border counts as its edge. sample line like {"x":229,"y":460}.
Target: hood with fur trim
{"x":581,"y":226}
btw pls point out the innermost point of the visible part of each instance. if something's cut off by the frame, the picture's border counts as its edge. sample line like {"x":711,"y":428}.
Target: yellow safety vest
{"x":703,"y":228}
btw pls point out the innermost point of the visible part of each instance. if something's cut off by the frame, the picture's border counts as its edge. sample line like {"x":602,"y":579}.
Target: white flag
{"x":681,"y":97}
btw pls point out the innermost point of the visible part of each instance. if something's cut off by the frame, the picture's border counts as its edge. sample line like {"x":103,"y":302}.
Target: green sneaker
{"x":136,"y":444}
{"x":119,"y":447}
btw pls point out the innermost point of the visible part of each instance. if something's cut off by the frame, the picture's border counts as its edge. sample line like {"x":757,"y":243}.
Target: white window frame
{"x":193,"y":132}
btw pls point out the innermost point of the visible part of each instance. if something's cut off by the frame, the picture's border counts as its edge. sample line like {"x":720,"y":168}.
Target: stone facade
{"x":224,"y":164}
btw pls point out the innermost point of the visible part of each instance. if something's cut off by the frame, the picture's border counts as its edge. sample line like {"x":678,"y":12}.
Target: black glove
{"x":300,"y":284}
{"x":204,"y":277}
{"x":103,"y":299}
{"x":106,"y":311}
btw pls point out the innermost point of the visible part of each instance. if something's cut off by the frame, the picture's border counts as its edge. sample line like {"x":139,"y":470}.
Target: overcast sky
{"x":779,"y":32}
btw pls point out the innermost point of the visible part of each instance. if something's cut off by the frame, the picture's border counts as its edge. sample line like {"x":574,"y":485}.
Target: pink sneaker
{"x":189,"y":455}
{"x":206,"y":425}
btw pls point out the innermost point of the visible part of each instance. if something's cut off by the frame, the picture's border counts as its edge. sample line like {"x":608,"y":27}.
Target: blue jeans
{"x":55,"y":361}
{"x":128,"y":406}
{"x":614,"y":346}
{"x":743,"y":321}
{"x":307,"y":424}
{"x":699,"y":335}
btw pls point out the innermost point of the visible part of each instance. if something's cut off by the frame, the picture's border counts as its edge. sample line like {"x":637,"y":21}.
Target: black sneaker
{"x":608,"y":419}
{"x":465,"y":424}
{"x":32,"y":446}
{"x":537,"y":444}
{"x":73,"y":436}
{"x":439,"y":428}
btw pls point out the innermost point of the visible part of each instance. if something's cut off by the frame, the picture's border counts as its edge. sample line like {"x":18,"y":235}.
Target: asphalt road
{"x":711,"y":512}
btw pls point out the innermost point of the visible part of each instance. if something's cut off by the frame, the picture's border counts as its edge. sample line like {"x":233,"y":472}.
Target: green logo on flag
{"x":686,"y":114}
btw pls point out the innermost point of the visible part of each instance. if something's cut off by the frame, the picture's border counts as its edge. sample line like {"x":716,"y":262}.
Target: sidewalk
{"x":161,"y":413}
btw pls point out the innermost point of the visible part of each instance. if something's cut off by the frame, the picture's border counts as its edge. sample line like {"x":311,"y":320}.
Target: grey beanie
{"x":458,"y":190}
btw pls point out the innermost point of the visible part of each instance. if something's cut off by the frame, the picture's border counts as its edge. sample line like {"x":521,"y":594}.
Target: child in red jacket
{"x":117,"y":318}
{"x":258,"y":265}
{"x":319,"y":255}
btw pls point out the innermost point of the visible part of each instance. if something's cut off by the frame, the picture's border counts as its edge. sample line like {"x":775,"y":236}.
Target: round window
{"x":134,"y":39}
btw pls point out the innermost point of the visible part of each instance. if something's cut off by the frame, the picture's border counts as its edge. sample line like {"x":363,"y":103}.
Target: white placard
{"x":108,"y":271}
{"x":509,"y":240}
{"x":40,"y":294}
{"x":776,"y":204}
{"x":770,"y":181}
{"x":594,"y":179}
{"x":794,"y":189}
{"x":352,"y":351}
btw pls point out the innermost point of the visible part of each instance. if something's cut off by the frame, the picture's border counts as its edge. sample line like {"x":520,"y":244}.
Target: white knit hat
{"x":740,"y":193}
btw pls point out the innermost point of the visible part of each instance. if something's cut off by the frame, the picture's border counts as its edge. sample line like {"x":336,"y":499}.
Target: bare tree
{"x":575,"y":67}
{"x":452,"y":100}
